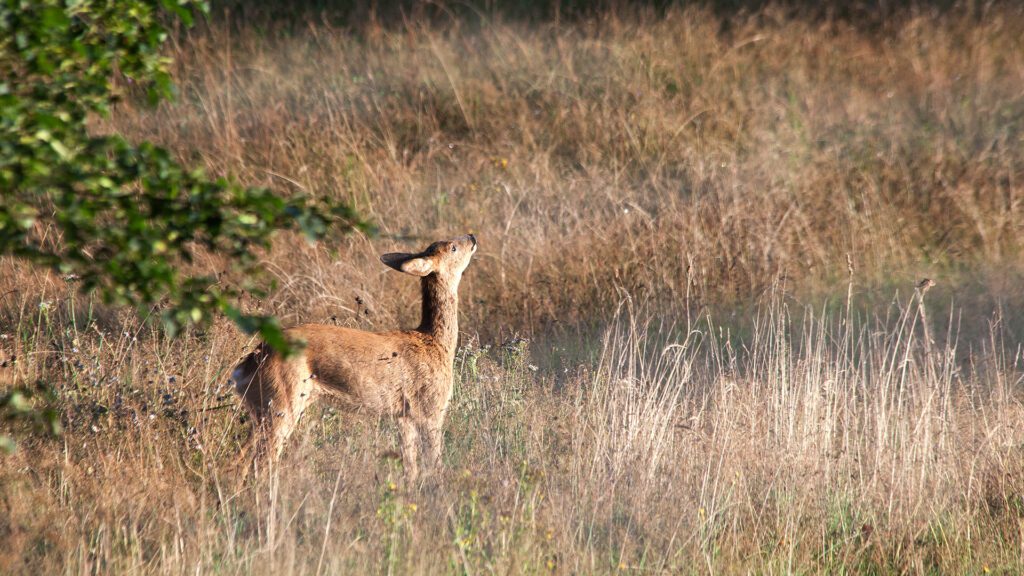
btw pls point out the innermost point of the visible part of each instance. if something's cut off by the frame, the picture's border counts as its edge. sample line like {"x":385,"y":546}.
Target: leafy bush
{"x":124,"y":219}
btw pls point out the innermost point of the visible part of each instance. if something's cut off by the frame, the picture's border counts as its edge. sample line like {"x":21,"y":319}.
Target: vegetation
{"x":122,"y":219}
{"x":691,"y":338}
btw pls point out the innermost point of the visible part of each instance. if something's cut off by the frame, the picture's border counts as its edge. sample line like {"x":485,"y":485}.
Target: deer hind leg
{"x":282,"y":417}
{"x":257,"y":394}
{"x":276,"y":398}
{"x":254,"y":448}
{"x":257,"y":449}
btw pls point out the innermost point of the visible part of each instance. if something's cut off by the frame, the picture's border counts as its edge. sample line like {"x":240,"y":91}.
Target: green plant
{"x":124,"y":219}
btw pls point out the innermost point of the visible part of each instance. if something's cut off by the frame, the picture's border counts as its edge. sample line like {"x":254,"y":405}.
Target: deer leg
{"x":271,"y":428}
{"x":410,"y":438}
{"x":434,"y":437}
{"x":254,"y":448}
{"x":284,"y":421}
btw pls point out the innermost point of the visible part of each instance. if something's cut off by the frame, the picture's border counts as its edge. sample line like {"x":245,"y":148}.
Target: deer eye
{"x":454,"y":248}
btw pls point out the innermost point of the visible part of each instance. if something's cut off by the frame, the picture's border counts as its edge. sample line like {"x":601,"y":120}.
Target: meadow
{"x":693,"y":337}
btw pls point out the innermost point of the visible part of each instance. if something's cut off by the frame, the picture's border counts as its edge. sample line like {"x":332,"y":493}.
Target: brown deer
{"x":405,"y":373}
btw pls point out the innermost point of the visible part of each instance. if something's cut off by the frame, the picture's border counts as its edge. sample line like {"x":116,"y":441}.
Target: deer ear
{"x":418,"y":266}
{"x":395,"y":259}
{"x":408,"y":263}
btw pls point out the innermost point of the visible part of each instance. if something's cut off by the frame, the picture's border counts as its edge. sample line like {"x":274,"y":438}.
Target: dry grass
{"x":676,"y":162}
{"x":814,"y":447}
{"x":662,"y":157}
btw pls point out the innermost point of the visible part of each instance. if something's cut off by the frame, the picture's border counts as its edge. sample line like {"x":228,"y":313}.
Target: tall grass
{"x":819,"y":444}
{"x":692,"y":158}
{"x":690,"y":338}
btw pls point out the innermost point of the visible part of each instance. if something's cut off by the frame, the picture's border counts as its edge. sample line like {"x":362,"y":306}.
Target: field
{"x":692,"y":340}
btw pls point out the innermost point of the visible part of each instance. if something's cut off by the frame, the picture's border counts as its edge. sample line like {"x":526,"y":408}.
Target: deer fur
{"x":406,"y":373}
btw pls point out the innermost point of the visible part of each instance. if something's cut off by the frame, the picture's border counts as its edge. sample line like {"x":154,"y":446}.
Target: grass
{"x":815,"y":447}
{"x":691,"y":342}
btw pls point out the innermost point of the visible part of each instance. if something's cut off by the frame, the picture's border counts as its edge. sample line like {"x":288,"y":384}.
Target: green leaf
{"x":18,"y":403}
{"x":272,"y":334}
{"x":54,"y":19}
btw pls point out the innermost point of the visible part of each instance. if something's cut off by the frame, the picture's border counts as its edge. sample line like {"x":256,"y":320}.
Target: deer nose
{"x":473,"y":239}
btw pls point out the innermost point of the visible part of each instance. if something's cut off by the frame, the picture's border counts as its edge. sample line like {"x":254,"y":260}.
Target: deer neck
{"x":440,"y":317}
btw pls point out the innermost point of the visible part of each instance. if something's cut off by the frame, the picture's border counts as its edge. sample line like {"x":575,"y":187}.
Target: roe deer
{"x":407,"y":373}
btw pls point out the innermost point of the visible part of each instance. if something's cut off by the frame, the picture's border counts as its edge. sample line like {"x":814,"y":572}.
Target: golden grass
{"x":662,"y":157}
{"x":675,"y":162}
{"x":815,"y":446}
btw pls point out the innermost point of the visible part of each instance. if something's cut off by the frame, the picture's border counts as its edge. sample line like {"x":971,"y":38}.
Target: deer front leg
{"x":434,"y":446}
{"x":434,"y":437}
{"x":410,"y":438}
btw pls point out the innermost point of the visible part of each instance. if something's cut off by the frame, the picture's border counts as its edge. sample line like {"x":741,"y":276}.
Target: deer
{"x":405,"y":374}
